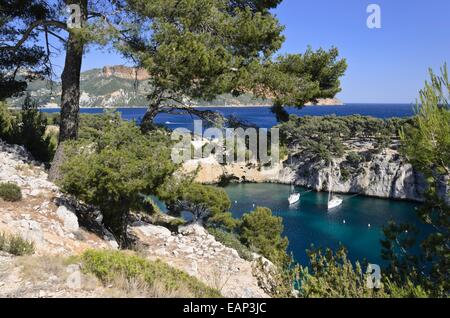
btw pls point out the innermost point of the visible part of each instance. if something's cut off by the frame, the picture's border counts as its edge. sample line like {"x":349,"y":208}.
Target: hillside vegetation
{"x":115,"y":87}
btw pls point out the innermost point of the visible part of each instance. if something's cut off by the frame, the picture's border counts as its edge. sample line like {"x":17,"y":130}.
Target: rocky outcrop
{"x":129,"y":73}
{"x":196,"y":252}
{"x":117,"y":86}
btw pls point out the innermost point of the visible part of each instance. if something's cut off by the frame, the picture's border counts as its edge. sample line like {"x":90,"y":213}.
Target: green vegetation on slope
{"x":101,"y":91}
{"x":323,"y":138}
{"x":28,"y":128}
{"x":15,"y":245}
{"x":426,"y":144}
{"x":110,"y":265}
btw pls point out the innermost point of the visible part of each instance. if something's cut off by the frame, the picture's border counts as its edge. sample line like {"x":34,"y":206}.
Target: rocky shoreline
{"x":386,"y":175}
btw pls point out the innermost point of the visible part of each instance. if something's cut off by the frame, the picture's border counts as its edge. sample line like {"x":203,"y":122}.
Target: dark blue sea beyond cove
{"x":357,"y":224}
{"x":262,"y":116}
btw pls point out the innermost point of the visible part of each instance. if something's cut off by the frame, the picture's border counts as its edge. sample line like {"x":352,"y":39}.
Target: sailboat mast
{"x":292,"y":182}
{"x":329,"y":183}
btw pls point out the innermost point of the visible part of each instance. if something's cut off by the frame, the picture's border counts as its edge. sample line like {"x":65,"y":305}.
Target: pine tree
{"x":426,"y":144}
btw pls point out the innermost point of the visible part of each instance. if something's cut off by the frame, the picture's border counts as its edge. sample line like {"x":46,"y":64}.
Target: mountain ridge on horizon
{"x":123,"y":86}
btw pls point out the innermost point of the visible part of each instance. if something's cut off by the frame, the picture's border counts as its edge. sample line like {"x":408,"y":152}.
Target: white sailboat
{"x":294,"y":197}
{"x":333,"y":201}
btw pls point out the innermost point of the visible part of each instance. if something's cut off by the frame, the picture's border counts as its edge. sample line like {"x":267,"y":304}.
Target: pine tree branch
{"x":30,"y":30}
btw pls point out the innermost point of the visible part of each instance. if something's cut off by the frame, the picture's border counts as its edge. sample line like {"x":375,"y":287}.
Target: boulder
{"x":154,"y":230}
{"x":69,"y":219}
{"x":29,"y":230}
{"x":192,"y":229}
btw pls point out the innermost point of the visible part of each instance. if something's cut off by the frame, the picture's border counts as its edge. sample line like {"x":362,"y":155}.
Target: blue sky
{"x":385,"y":65}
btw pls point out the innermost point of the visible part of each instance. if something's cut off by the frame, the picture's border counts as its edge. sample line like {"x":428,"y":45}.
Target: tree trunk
{"x":70,"y":79}
{"x":147,"y":122}
{"x":70,"y":93}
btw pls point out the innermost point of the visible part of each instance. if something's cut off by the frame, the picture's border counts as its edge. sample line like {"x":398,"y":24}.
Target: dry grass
{"x":122,"y":287}
{"x":218,"y":279}
{"x":55,"y":268}
{"x":26,"y":169}
{"x":36,"y":269}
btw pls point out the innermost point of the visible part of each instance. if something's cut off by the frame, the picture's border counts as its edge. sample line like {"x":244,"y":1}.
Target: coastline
{"x":195,"y":107}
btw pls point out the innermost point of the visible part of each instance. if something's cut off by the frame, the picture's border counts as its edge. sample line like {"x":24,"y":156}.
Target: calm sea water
{"x":262,"y":116}
{"x":310,"y":222}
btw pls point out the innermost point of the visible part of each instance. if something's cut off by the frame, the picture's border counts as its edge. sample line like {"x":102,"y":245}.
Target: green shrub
{"x":108,"y":265}
{"x":405,"y":290}
{"x":92,"y":126}
{"x":232,"y":241}
{"x":16,"y":245}
{"x":28,"y":128}
{"x":354,"y":159}
{"x":53,"y":118}
{"x":332,"y":275}
{"x":113,"y":172}
{"x":6,"y":120}
{"x":19,"y":247}
{"x":345,"y":174}
{"x":32,"y":133}
{"x":206,"y":203}
{"x":262,"y":232}
{"x":10,"y":192}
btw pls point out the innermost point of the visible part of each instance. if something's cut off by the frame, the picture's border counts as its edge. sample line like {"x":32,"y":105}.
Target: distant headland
{"x":128,"y":87}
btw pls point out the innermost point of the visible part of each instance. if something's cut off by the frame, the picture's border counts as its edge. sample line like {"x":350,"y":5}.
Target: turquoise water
{"x":309,"y":222}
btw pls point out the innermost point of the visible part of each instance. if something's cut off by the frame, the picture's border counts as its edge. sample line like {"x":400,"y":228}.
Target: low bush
{"x":10,"y":192}
{"x":108,"y":266}
{"x":16,"y":245}
{"x":28,"y":128}
{"x":19,"y":247}
{"x":345,"y":174}
{"x":332,"y":275}
{"x":92,"y":126}
{"x":354,"y":159}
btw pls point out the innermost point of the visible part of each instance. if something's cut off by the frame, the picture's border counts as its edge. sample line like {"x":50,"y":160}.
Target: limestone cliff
{"x":124,"y":72}
{"x":386,"y":175}
{"x":383,"y":175}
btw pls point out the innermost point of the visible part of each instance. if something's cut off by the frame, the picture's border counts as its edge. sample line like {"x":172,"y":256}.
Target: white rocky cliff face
{"x":384,"y":175}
